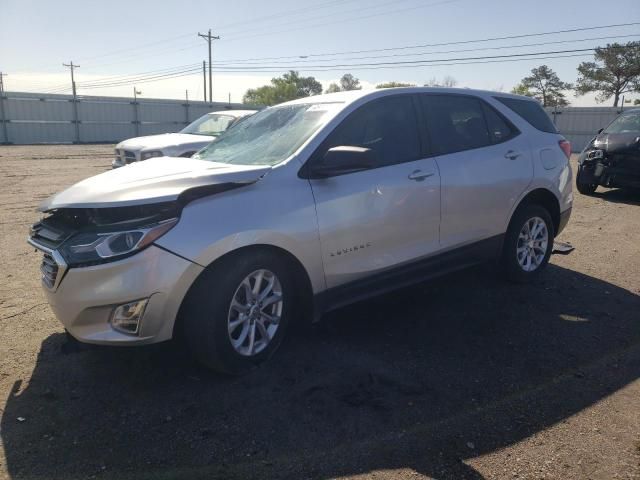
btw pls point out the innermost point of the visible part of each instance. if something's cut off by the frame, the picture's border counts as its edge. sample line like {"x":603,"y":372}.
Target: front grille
{"x":50,"y":270}
{"x":125,"y":156}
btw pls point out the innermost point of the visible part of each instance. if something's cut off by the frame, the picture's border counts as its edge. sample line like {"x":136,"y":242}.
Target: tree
{"x":520,"y":89}
{"x":347,"y":82}
{"x":394,"y":85}
{"x":288,"y":87}
{"x":333,"y":88}
{"x":614,"y":71}
{"x":447,"y":81}
{"x":545,"y":85}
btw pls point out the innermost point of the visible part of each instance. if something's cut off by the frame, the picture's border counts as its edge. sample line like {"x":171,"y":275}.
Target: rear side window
{"x":500,"y":130}
{"x":455,"y":123}
{"x":531,"y":111}
{"x":388,"y":126}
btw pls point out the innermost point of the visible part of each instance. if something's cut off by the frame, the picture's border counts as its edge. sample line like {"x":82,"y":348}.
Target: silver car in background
{"x":300,"y":209}
{"x":185,"y":143}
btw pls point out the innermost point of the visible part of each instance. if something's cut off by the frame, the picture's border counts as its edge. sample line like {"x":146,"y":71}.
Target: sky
{"x":119,"y":41}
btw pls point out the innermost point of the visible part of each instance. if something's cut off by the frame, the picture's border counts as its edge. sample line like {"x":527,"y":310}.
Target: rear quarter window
{"x":531,"y":111}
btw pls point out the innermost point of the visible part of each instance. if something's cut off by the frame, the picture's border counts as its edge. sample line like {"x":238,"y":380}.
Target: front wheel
{"x":584,"y":187}
{"x":528,"y":243}
{"x":239,"y":311}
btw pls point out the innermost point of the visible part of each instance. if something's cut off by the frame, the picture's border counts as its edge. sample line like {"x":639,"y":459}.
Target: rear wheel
{"x":528,"y":243}
{"x":584,"y":187}
{"x":239,"y":311}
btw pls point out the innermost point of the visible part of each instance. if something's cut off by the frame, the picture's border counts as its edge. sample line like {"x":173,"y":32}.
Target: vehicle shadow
{"x":617,"y":195}
{"x":423,"y":379}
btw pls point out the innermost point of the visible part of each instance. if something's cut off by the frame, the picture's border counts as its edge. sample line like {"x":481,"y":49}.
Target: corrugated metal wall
{"x":38,"y":118}
{"x":580,"y":124}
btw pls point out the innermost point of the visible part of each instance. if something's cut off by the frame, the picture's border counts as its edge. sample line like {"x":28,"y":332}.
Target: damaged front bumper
{"x":609,"y":170}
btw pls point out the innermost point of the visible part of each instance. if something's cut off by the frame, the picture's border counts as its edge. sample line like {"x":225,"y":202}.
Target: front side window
{"x":626,"y":123}
{"x":387,"y":126}
{"x":455,"y":123}
{"x":211,"y":124}
{"x":270,"y":136}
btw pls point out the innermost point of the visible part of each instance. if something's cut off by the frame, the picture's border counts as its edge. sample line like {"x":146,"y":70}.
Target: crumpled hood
{"x":158,"y":180}
{"x":617,"y":142}
{"x":164,"y":140}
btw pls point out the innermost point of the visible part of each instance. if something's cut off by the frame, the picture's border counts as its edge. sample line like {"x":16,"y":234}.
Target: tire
{"x":208,"y":312}
{"x":515,"y":248}
{"x":585,"y":188}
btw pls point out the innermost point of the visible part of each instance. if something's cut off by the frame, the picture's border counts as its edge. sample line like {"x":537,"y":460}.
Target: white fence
{"x":580,"y":124}
{"x":28,"y":118}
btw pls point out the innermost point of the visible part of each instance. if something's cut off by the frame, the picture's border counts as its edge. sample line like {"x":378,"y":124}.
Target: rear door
{"x":389,"y":214}
{"x":484,"y":161}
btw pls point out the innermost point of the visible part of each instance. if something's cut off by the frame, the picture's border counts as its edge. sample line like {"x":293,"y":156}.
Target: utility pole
{"x":75,"y":99}
{"x":209,"y":38}
{"x":3,"y":120}
{"x":204,"y":80}
{"x":136,"y":122}
{"x":186,"y":107}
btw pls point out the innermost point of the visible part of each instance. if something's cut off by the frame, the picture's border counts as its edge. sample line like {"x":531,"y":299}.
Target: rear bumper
{"x":564,"y":219}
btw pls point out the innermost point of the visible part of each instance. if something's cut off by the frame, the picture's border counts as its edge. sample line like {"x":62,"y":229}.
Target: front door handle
{"x":511,"y":155}
{"x":419,"y":175}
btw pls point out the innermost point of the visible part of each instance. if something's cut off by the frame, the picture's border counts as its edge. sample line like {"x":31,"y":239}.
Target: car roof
{"x":234,"y":113}
{"x":353,"y":95}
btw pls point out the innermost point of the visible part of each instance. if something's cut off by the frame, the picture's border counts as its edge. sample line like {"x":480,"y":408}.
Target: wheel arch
{"x":304,"y":307}
{"x":544,"y":198}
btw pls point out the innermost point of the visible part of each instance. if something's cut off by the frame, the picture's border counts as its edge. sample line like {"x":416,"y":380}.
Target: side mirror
{"x":600,"y":131}
{"x":342,"y":160}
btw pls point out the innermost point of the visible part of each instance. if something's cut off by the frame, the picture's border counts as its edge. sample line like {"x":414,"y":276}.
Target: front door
{"x":387,"y":215}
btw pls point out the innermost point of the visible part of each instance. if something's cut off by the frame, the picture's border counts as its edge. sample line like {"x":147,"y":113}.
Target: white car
{"x":185,"y":143}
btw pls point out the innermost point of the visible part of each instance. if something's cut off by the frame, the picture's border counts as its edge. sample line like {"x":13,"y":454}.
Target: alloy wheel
{"x":255,"y":312}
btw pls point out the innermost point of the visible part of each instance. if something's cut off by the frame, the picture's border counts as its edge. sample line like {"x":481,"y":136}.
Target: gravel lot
{"x":464,"y":377}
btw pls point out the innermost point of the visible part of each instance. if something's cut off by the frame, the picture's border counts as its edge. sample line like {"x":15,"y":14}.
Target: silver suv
{"x":302,"y":208}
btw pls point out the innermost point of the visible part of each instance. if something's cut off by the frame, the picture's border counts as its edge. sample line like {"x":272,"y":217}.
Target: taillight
{"x":565,"y":146}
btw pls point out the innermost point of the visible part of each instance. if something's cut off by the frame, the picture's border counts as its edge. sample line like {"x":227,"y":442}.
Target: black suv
{"x":612,"y":158}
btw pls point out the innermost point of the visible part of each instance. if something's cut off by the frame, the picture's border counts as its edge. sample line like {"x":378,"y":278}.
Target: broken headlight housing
{"x":95,"y":247}
{"x":594,"y":155}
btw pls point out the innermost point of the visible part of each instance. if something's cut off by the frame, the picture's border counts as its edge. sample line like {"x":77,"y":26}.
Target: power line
{"x":394,"y":55}
{"x":154,"y":78}
{"x":417,"y":62}
{"x":357,"y":17}
{"x":110,"y":79}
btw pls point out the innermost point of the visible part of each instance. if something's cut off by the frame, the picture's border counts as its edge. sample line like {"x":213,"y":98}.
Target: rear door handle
{"x":511,"y":155}
{"x":419,"y":175}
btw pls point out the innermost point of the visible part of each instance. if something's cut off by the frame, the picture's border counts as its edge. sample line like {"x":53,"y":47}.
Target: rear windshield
{"x":531,"y":111}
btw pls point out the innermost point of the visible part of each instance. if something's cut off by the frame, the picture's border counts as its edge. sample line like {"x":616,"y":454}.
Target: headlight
{"x":151,"y":154}
{"x":90,"y":248}
{"x":594,"y":155}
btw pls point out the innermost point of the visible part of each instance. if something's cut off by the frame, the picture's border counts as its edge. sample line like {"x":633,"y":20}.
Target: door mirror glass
{"x":344,"y":159}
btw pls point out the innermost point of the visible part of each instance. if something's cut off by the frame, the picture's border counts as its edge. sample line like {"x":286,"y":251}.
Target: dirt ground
{"x":466,"y":377}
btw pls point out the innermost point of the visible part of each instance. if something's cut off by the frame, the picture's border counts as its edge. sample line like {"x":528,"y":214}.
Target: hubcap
{"x":533,"y":242}
{"x":255,"y":312}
